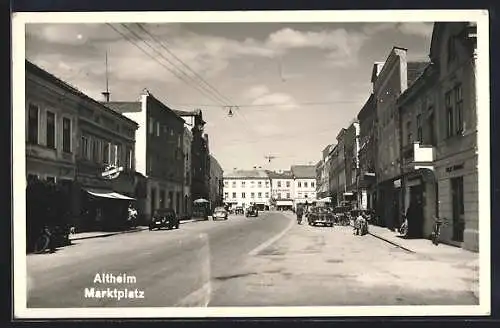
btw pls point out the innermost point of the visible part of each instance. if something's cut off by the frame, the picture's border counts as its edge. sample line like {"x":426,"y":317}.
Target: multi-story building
{"x":417,"y":141}
{"x":187,"y":208}
{"x":333,"y":168}
{"x":245,"y":187}
{"x":351,"y":141}
{"x":338,"y":170}
{"x":391,"y":81}
{"x":282,"y":189}
{"x":304,"y":184}
{"x":200,"y":154}
{"x":367,"y":153}
{"x":159,"y":151}
{"x":89,"y":140}
{"x":216,"y":183}
{"x":323,"y":173}
{"x":51,"y":127}
{"x":453,"y":53}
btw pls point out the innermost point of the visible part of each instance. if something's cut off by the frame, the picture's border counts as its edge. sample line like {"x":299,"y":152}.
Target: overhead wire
{"x":132,"y":41}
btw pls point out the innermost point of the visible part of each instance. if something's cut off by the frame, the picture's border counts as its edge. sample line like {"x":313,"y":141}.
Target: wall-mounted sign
{"x":111,"y":172}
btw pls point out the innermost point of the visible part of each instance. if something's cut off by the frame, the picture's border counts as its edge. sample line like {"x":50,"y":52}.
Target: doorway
{"x":457,"y":201}
{"x":416,"y":212}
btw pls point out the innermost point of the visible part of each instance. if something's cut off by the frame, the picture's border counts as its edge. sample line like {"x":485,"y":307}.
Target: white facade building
{"x":245,"y":187}
{"x":304,"y":184}
{"x":188,"y":138}
{"x":282,"y":189}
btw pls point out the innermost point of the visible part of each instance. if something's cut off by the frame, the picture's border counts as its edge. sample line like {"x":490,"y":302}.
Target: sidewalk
{"x":102,"y":234}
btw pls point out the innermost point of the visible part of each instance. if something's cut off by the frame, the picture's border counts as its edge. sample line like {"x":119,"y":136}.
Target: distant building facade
{"x":216,"y":183}
{"x":245,"y":187}
{"x":188,"y":139}
{"x":282,"y":189}
{"x":367,"y":155}
{"x":351,"y":141}
{"x":304,"y":184}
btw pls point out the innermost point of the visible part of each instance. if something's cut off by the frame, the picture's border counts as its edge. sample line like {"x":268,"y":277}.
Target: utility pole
{"x":106,"y":93}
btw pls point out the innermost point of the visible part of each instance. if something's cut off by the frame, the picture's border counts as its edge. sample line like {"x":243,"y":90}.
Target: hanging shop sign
{"x":111,"y":172}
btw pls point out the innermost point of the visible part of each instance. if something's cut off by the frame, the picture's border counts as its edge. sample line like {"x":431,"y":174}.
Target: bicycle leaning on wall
{"x":436,"y":231}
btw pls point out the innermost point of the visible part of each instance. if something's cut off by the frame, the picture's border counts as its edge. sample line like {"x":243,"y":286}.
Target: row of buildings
{"x":282,"y":189}
{"x":413,"y":146}
{"x":106,"y":152}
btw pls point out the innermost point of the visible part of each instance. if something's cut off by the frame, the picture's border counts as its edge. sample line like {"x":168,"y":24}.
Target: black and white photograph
{"x":215,"y":164}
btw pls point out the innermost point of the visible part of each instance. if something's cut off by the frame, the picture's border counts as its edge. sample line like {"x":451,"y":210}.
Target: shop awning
{"x":325,"y":200}
{"x":284,"y":203}
{"x":108,"y":194}
{"x":348,"y":194}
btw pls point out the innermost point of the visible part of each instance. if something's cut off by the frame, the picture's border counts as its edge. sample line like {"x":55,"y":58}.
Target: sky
{"x":291,"y":87}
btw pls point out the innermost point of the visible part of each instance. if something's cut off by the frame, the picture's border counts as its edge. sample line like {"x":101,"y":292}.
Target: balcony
{"x":416,"y":156}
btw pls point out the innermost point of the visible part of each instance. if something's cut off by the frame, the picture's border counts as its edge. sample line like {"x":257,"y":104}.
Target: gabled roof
{"x":124,"y":106}
{"x":246,"y":174}
{"x":279,"y":175}
{"x":415,"y":70}
{"x":304,"y":171}
{"x":36,"y":70}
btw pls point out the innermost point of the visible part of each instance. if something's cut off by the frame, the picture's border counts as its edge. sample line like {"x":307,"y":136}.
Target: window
{"x":305,"y":184}
{"x":129,"y":159}
{"x":259,"y":184}
{"x":267,"y":184}
{"x":419,"y":128}
{"x":449,"y":114}
{"x":408,"y":133}
{"x":432,"y":133}
{"x":84,"y":148}
{"x":33,"y":113}
{"x":459,"y":124}
{"x":95,"y":150}
{"x":260,"y":195}
{"x":179,"y":140}
{"x":226,"y":184}
{"x":151,"y":125}
{"x":267,"y":195}
{"x":288,"y":195}
{"x":234,"y":195}
{"x":242,"y":184}
{"x":243,"y":195}
{"x":66,"y":135}
{"x":252,"y":195}
{"x":226,"y":195}
{"x":105,"y":153}
{"x":51,"y":179}
{"x":288,"y":184}
{"x":234,"y":184}
{"x":299,"y":184}
{"x":279,"y":195}
{"x":305,"y":195}
{"x":312,"y":184}
{"x":51,"y":130}
{"x":252,"y":184}
{"x":451,"y":49}
{"x":279,"y":184}
{"x":157,"y":129}
{"x":112,"y":155}
{"x":118,"y":152}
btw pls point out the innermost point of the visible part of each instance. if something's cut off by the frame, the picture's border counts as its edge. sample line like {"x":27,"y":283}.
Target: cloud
{"x":256,"y":91}
{"x":422,"y":29}
{"x":277,"y":100}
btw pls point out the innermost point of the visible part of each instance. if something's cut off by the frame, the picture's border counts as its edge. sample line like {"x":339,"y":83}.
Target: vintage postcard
{"x":237,"y":164}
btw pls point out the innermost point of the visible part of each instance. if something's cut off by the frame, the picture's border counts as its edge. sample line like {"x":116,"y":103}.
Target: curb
{"x":391,"y":242}
{"x":124,"y":232}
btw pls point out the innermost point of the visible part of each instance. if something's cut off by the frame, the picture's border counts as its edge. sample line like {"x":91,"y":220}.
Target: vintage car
{"x":342,"y":215}
{"x":220,"y":213}
{"x":252,"y":211}
{"x":164,"y":218}
{"x":321,"y":215}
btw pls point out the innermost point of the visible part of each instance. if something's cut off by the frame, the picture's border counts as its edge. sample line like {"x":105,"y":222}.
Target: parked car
{"x":220,"y":213}
{"x":321,"y":215}
{"x":252,"y":211}
{"x":164,"y":218}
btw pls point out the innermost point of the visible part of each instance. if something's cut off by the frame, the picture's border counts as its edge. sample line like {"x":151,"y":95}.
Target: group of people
{"x":361,"y":223}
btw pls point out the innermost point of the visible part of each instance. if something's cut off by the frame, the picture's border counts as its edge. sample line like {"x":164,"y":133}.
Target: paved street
{"x":236,"y":263}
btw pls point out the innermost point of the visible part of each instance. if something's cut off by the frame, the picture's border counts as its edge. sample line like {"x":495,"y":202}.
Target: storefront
{"x":284,"y":204}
